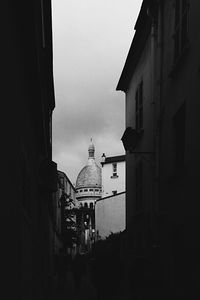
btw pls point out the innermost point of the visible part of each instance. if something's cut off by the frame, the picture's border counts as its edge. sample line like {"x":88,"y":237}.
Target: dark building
{"x":66,"y":195}
{"x":161,"y":81}
{"x":29,"y":172}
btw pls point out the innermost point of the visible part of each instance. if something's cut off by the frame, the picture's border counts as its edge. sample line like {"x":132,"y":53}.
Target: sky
{"x":91,"y":40}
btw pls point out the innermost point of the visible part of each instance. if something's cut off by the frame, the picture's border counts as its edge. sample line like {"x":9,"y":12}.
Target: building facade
{"x":28,"y":92}
{"x":65,"y":216}
{"x":113,"y":175}
{"x":137,"y":81}
{"x":160,"y":80}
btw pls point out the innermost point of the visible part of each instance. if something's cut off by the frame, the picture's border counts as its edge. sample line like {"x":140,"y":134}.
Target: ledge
{"x":116,"y":176}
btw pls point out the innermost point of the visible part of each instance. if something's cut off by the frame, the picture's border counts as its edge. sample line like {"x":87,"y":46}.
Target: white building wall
{"x":110,"y":183}
{"x":110,"y":215}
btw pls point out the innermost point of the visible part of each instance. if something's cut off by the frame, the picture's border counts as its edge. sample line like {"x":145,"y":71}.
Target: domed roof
{"x":90,"y":175}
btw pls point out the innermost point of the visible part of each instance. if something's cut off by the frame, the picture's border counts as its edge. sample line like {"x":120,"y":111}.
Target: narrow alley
{"x":100,"y":150}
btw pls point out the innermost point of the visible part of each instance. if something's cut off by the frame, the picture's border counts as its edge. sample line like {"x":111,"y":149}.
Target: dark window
{"x":181,"y":27}
{"x":85,"y":204}
{"x":114,"y":192}
{"x":139,"y":186}
{"x":91,"y":190}
{"x":114,"y":165}
{"x":81,"y":191}
{"x":139,"y":107}
{"x":179,"y":138}
{"x":96,"y":190}
{"x":91,"y":205}
{"x":85,"y":190}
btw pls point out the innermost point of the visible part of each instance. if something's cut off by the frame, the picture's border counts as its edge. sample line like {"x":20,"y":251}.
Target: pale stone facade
{"x":113,"y":175}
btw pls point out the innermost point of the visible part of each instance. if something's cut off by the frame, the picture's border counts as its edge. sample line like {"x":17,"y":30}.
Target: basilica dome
{"x":90,"y":175}
{"x":88,"y":183}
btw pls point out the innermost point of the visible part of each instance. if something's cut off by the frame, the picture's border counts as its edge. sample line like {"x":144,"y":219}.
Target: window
{"x":180,"y":28}
{"x":85,"y":190}
{"x":91,"y":190}
{"x":179,"y":138}
{"x":114,"y":167}
{"x":114,"y":192}
{"x":85,"y":205}
{"x":139,"y":186}
{"x":80,"y":191}
{"x":96,"y":190}
{"x":91,"y":205}
{"x":139,"y":107}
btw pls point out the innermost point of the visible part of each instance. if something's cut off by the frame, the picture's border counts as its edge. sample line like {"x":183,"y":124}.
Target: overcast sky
{"x":91,"y":40}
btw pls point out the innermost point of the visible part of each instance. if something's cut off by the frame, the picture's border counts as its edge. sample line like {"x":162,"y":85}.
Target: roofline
{"x":110,"y":196}
{"x":67,"y":179}
{"x":142,"y":30}
{"x":111,"y":159}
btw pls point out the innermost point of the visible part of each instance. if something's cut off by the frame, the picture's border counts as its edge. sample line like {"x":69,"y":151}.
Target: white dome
{"x":90,"y":175}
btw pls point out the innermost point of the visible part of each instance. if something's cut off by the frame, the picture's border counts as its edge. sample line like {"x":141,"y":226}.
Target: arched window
{"x":85,"y":205}
{"x":91,"y":205}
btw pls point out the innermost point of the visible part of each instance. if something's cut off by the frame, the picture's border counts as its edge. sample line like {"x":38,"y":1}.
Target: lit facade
{"x":113,"y":175}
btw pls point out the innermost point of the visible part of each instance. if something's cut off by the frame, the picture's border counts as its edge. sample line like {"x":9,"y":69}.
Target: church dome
{"x":90,"y":175}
